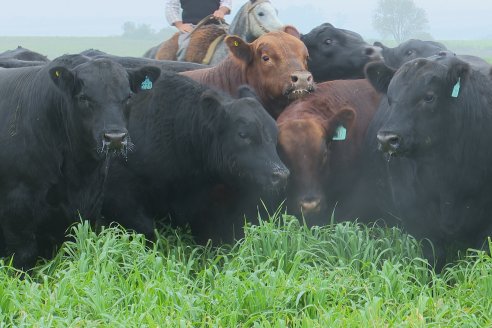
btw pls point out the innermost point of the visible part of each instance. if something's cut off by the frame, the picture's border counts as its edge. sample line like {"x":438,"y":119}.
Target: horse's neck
{"x":239,"y":25}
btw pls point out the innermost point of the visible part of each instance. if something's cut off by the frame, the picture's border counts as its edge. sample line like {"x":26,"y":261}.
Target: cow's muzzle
{"x":310,"y":205}
{"x":301,"y":84}
{"x":116,"y":140}
{"x":278,"y":178}
{"x":389,"y":142}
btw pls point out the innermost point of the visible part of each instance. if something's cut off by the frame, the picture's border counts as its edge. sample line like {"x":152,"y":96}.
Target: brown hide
{"x":168,"y":49}
{"x":324,"y":171}
{"x":274,"y":65}
{"x":198,"y":46}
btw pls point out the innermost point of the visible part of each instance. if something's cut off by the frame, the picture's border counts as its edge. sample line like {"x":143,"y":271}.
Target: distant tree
{"x":142,"y":31}
{"x":401,"y":19}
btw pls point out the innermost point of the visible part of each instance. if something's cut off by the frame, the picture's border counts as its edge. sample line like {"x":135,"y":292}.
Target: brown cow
{"x":274,"y":65}
{"x":323,"y":170}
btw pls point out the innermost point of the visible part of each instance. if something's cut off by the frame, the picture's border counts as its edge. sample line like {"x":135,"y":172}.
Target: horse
{"x":253,"y":19}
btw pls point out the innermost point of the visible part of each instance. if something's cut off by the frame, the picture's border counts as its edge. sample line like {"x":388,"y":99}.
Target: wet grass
{"x":282,"y":274}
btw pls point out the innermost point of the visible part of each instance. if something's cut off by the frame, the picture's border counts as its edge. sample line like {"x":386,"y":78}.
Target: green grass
{"x":282,"y":274}
{"x":57,"y":46}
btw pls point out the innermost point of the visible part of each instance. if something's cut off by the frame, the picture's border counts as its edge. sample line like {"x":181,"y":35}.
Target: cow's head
{"x":409,"y":50}
{"x":246,"y":139}
{"x":337,"y":53}
{"x":305,"y":147}
{"x":422,"y":97}
{"x":275,"y":65}
{"x":98,"y":91}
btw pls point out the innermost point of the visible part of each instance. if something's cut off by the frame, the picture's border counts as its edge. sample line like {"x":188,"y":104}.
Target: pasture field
{"x":116,"y":45}
{"x":57,"y":46}
{"x":281,"y":274}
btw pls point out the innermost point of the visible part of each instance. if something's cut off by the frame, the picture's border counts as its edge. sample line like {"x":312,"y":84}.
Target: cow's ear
{"x":289,"y":29}
{"x":457,"y":74}
{"x":379,"y":44}
{"x":239,"y":48}
{"x":245,"y":91}
{"x":379,"y":75}
{"x":64,"y":79}
{"x":143,"y":78}
{"x":211,"y":101}
{"x":341,"y":123}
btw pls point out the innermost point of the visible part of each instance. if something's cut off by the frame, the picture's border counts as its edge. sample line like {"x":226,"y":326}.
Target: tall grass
{"x":282,"y":274}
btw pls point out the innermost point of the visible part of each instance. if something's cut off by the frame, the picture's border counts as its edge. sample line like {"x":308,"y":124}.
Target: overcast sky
{"x":449,"y":19}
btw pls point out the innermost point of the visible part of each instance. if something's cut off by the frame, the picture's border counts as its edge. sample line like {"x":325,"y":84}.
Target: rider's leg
{"x":183,"y":42}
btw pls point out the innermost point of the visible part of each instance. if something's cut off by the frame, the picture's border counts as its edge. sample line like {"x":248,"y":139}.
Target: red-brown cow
{"x":274,"y":65}
{"x":324,"y":163}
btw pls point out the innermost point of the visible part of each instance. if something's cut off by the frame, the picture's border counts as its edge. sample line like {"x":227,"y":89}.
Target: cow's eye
{"x":429,"y":97}
{"x":243,"y":135}
{"x":265,"y":58}
{"x":261,"y":14}
{"x":328,"y":41}
{"x":410,"y":52}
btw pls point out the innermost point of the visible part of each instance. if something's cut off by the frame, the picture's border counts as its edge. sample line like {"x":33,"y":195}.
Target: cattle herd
{"x":317,"y":123}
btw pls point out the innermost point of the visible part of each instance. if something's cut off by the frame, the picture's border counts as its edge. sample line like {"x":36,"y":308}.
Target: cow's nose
{"x":115,"y":139}
{"x":372,"y":52}
{"x":279,"y":177}
{"x":389,"y":142}
{"x":302,"y":79}
{"x":310,"y":204}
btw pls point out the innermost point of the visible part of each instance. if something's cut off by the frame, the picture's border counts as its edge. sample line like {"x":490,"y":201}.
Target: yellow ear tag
{"x":236,"y":44}
{"x":57,"y":74}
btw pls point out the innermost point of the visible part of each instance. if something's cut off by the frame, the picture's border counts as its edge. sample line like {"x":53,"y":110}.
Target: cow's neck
{"x":84,"y":184}
{"x":228,"y":75}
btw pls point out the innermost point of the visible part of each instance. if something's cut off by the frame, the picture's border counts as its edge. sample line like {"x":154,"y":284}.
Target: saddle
{"x":203,"y":42}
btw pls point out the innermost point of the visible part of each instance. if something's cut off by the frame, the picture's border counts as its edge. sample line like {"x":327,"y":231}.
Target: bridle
{"x":251,"y":6}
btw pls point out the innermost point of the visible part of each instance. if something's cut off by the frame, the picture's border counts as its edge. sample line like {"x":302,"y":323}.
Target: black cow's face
{"x":249,"y":140}
{"x":337,"y":54}
{"x":421,"y":97}
{"x":99,"y":91}
{"x":409,"y":50}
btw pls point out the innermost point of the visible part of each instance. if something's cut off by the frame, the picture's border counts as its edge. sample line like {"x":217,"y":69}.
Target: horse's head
{"x":255,"y":18}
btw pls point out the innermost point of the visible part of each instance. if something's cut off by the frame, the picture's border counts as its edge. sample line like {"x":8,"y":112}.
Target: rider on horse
{"x":185,"y":14}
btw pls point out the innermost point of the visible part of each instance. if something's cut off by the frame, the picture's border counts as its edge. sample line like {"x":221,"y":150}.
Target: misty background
{"x":448,"y":19}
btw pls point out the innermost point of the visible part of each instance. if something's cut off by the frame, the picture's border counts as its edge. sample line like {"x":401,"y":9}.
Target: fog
{"x":449,"y":19}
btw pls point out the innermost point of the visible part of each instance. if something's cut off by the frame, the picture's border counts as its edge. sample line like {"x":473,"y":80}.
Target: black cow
{"x":195,"y":148}
{"x":433,"y":169}
{"x":136,"y":62}
{"x":336,"y":54}
{"x":408,"y":50}
{"x":59,"y":125}
{"x":24,"y":54}
{"x":414,"y":48}
{"x":476,"y":63}
{"x":21,"y":57}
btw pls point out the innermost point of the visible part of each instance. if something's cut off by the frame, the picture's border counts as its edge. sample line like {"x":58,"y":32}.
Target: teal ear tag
{"x":146,"y":84}
{"x":456,"y":89}
{"x":340,"y":133}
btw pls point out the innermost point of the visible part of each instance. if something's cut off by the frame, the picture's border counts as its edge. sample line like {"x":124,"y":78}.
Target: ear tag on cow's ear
{"x":340,"y":133}
{"x":57,"y":73}
{"x":456,"y":89}
{"x":236,"y":44}
{"x":146,"y":84}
